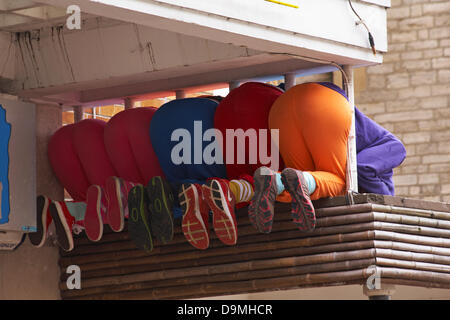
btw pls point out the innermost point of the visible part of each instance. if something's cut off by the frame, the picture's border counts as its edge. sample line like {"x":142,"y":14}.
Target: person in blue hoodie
{"x":314,"y":122}
{"x":5,"y":134}
{"x":183,"y":137}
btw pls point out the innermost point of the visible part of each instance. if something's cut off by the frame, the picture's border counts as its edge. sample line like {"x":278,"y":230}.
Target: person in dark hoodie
{"x":314,"y":122}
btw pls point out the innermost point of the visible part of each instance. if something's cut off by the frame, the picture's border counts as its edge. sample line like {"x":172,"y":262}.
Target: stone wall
{"x":409,"y":95}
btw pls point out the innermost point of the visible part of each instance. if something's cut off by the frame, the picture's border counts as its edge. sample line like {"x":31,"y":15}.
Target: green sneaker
{"x":138,"y":220}
{"x":161,"y":202}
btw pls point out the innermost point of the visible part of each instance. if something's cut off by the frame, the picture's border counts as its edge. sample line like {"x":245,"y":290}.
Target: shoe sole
{"x":38,"y":238}
{"x":261,"y":209}
{"x":303,"y":213}
{"x":93,"y":222}
{"x":116,"y":215}
{"x":138,"y":224}
{"x":63,"y":231}
{"x":192,"y":225}
{"x":161,"y":205}
{"x":223,"y":222}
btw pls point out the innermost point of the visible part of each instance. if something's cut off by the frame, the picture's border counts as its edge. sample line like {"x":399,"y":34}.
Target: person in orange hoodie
{"x":314,"y":122}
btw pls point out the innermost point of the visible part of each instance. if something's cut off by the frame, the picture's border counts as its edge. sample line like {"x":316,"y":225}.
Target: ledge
{"x":407,"y":240}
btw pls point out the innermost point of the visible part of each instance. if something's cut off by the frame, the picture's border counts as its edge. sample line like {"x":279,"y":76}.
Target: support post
{"x":352,"y":171}
{"x":180,"y":94}
{"x":289,"y":81}
{"x":384,"y":293}
{"x":77,"y":114}
{"x":233,"y":85}
{"x":128,"y":103}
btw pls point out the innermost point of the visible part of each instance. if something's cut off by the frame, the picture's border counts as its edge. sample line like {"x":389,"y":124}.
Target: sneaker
{"x":261,"y":209}
{"x":221,"y":202}
{"x":138,"y":218}
{"x":116,"y":193}
{"x":64,"y":222}
{"x":303,"y":213}
{"x":160,"y":206}
{"x":95,"y":205}
{"x":44,"y":219}
{"x":195,"y":224}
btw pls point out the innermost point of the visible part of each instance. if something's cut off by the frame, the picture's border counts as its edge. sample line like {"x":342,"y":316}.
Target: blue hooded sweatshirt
{"x":378,"y":152}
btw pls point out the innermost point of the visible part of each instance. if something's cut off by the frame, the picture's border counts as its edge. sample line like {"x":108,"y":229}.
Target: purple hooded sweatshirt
{"x":378,"y":153}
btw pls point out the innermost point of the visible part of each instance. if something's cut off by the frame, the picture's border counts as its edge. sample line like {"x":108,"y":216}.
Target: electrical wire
{"x":361,"y":21}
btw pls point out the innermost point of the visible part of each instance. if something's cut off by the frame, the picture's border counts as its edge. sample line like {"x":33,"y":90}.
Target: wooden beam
{"x":222,"y":20}
{"x":42,"y":13}
{"x":195,"y":79}
{"x":11,"y":19}
{"x":11,"y":5}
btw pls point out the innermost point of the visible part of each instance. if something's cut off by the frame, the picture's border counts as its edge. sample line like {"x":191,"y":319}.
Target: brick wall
{"x":409,"y":95}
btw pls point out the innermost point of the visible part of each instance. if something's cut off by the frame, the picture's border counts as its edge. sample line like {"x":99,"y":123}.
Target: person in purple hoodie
{"x":314,"y":121}
{"x":378,"y":152}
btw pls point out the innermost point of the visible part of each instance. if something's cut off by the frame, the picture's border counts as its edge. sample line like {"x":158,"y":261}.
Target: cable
{"x":361,"y":21}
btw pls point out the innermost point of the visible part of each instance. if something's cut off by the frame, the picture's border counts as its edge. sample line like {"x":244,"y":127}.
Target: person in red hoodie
{"x":98,"y":163}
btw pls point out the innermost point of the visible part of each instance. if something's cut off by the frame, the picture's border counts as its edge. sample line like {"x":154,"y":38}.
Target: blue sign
{"x":5,"y":134}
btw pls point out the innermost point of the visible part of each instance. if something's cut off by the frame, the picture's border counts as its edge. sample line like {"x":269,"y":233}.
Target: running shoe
{"x":138,"y":218}
{"x":116,"y":194}
{"x":303,"y":213}
{"x":64,"y":222}
{"x":221,"y":202}
{"x":261,"y":209}
{"x":161,"y":209}
{"x":195,"y":221}
{"x":44,"y":219}
{"x":95,"y":206}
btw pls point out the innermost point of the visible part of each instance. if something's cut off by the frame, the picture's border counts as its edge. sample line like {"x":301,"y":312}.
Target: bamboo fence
{"x":407,"y":240}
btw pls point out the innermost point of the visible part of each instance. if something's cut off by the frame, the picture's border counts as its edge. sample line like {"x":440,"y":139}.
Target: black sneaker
{"x":64,"y":222}
{"x":161,"y":203}
{"x":43,"y":220}
{"x":138,"y":218}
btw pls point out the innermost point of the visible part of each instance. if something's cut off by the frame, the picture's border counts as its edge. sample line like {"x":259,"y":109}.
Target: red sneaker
{"x":221,"y":202}
{"x":44,"y":219}
{"x":63,"y":224}
{"x":117,"y":195}
{"x":194,"y":224}
{"x":95,"y":211}
{"x":303,"y":213}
